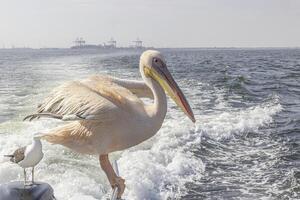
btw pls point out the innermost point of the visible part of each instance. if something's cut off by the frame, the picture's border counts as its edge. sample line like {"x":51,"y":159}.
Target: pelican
{"x":106,"y":114}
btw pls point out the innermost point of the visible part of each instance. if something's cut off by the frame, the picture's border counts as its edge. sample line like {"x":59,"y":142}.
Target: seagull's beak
{"x":165,"y":79}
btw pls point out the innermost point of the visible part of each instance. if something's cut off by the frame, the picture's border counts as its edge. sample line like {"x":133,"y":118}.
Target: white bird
{"x":28,"y":156}
{"x":107,"y":115}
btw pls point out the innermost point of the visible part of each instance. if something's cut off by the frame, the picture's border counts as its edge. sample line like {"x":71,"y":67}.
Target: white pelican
{"x":107,"y":115}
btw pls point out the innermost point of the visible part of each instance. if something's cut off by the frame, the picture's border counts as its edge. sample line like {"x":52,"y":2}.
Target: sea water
{"x":244,"y":145}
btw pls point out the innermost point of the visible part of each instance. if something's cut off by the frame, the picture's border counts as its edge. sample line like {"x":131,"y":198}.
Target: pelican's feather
{"x":96,"y":98}
{"x":139,"y":88}
{"x":78,"y":135}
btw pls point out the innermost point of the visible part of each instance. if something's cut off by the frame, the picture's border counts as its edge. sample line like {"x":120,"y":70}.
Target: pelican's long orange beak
{"x":165,"y":79}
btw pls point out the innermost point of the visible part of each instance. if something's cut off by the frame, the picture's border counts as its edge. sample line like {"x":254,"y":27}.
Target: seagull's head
{"x":37,"y":136}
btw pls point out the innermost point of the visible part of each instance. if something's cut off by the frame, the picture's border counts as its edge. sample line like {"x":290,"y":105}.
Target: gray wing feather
{"x":18,"y":155}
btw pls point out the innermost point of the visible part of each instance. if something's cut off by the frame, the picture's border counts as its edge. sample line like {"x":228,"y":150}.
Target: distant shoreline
{"x":160,"y":48}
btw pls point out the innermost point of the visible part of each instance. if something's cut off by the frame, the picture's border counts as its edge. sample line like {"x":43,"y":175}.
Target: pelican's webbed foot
{"x":120,"y":183}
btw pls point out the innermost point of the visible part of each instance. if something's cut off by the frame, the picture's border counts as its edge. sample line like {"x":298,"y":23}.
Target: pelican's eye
{"x":158,"y":62}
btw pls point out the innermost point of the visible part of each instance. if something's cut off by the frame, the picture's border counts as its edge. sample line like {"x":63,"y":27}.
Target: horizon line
{"x":207,"y":47}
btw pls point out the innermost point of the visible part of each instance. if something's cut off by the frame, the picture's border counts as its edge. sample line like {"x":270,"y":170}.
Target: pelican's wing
{"x":86,"y":100}
{"x":139,"y":88}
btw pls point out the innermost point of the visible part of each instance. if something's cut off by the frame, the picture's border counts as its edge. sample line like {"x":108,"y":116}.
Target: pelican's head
{"x":153,"y":66}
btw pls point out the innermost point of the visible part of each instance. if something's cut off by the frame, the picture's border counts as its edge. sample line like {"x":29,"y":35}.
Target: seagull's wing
{"x":18,"y":155}
{"x":86,"y":100}
{"x":139,"y":88}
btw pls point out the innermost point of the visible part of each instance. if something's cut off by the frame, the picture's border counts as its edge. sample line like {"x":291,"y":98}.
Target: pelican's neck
{"x":158,"y":109}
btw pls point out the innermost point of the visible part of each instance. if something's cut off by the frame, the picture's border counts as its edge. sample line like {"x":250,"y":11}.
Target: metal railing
{"x":114,"y":195}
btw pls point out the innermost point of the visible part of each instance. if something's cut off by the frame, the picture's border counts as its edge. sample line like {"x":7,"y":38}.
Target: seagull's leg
{"x":114,"y":180}
{"x":24,"y":176}
{"x":32,"y":176}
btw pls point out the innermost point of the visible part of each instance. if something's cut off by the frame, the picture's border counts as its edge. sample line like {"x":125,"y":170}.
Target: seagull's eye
{"x":155,"y":60}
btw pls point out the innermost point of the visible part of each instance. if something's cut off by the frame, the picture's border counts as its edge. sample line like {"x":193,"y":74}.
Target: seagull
{"x":28,"y":156}
{"x":105,"y":114}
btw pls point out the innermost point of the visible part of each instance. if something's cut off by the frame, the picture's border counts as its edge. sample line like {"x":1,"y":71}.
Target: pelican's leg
{"x":32,"y":176}
{"x":114,"y":180}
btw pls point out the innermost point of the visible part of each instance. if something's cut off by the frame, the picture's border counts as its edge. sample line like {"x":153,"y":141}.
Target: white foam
{"x":159,"y":172}
{"x":8,"y":172}
{"x":226,"y":124}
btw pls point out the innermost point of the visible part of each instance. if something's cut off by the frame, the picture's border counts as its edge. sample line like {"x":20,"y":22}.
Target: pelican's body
{"x":125,"y":123}
{"x":107,"y":113}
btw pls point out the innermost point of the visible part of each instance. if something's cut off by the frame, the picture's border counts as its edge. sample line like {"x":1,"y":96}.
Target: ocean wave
{"x":225,"y":124}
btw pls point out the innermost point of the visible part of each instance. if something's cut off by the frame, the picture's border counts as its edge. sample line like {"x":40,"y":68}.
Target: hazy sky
{"x":159,"y":23}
